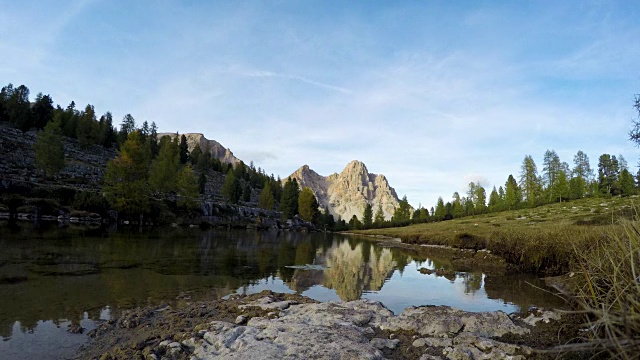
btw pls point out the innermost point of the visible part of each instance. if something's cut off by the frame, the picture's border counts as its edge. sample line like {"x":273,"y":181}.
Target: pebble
{"x":241,"y":320}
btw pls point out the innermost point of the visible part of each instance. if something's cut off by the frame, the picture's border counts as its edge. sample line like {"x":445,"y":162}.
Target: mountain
{"x":217,"y":150}
{"x":346,"y":194}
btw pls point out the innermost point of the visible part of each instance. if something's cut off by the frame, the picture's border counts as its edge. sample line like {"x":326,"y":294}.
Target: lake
{"x":52,"y":277}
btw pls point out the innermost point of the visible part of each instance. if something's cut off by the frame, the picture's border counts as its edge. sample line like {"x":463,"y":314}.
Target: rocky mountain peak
{"x":346,"y":194}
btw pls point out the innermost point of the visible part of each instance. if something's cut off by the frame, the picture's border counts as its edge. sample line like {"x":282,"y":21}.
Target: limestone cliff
{"x":215,"y":148}
{"x":346,"y":194}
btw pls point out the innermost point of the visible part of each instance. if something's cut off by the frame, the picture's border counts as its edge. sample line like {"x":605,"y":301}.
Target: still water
{"x":51,"y":278}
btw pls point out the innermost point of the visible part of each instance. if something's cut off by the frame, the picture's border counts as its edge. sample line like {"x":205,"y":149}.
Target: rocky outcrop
{"x":346,"y":194}
{"x":351,"y":330}
{"x":215,"y":148}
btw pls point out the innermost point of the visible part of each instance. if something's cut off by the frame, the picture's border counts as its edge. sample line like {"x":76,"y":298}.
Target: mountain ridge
{"x":347,"y":193}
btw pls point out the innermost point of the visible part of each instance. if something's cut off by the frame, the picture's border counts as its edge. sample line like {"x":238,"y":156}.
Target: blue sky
{"x":433,"y":94}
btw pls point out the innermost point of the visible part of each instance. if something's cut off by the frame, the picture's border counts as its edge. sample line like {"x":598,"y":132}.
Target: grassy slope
{"x":542,"y":239}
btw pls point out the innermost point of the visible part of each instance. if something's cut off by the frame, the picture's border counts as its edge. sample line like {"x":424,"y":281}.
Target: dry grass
{"x":610,"y":292}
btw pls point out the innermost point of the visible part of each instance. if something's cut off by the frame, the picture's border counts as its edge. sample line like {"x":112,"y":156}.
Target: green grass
{"x":541,"y":240}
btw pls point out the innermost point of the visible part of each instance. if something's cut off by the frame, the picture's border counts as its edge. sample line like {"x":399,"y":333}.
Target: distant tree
{"x":163,"y":175}
{"x":152,"y":139}
{"x":308,"y":206}
{"x":69,"y":120}
{"x":184,"y":149}
{"x":480,"y":199}
{"x":187,"y":188}
{"x":550,"y":170}
{"x":85,"y":132}
{"x":246,"y":192}
{"x":49,"y":149}
{"x":379,"y":218}
{"x":328,"y":221}
{"x":529,"y":181}
{"x":457,"y":210}
{"x":495,"y":203}
{"x":354,"y":223}
{"x":42,"y":110}
{"x":634,"y":133}
{"x":145,"y":131}
{"x":562,"y":189}
{"x":403,"y":211}
{"x":195,"y":154}
{"x":440,"y":210}
{"x":289,"y":199}
{"x":125,"y":181}
{"x":106,"y":133}
{"x":266,"y":200}
{"x":231,"y":188}
{"x":128,"y":126}
{"x":626,"y":183}
{"x":576,"y":187}
{"x":367,"y":216}
{"x":512,"y":194}
{"x":608,"y":171}
{"x":18,"y":106}
{"x":581,"y":166}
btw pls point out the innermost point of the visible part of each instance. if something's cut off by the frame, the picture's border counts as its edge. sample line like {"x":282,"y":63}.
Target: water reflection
{"x":81,"y":274}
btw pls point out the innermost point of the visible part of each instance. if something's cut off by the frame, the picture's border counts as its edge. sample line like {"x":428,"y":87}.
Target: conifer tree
{"x":367,"y":216}
{"x":164,"y":170}
{"x":379,"y":218}
{"x":184,"y":150}
{"x":289,"y":199}
{"x":529,"y":181}
{"x":125,"y":181}
{"x":308,"y":206}
{"x":266,"y":200}
{"x":187,"y":188}
{"x":49,"y":149}
{"x":231,"y":188}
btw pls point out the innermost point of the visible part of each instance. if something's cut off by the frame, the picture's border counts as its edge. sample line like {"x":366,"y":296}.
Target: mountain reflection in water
{"x":62,"y":275}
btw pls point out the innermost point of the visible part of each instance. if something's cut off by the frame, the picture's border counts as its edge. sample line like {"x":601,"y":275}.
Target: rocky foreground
{"x":276,"y":326}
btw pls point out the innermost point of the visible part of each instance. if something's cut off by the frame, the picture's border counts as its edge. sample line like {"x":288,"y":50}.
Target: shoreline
{"x":271,"y":325}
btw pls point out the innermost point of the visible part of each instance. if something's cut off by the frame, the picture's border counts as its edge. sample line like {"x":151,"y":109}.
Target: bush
{"x":91,"y":202}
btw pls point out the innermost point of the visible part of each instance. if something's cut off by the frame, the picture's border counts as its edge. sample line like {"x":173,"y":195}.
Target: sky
{"x":433,"y":94}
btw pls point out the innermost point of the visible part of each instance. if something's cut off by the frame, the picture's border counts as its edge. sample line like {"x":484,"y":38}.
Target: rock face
{"x":347,"y":331}
{"x":215,"y":148}
{"x":346,"y":194}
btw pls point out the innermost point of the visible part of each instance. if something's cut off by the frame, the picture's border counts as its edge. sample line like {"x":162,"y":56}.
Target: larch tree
{"x":289,"y":199}
{"x":163,"y":174}
{"x":49,"y":149}
{"x":529,"y":181}
{"x":266,"y":200}
{"x":125,"y":181}
{"x":187,"y":188}
{"x":308,"y":206}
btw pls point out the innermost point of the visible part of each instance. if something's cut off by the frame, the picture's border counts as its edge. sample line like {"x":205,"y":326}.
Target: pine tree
{"x":187,"y":188}
{"x":184,"y":150}
{"x":626,"y":183}
{"x":495,"y":203}
{"x":289,"y":199}
{"x":49,"y":149}
{"x":512,"y":195}
{"x":246,"y":192}
{"x":367,"y":216}
{"x":440,"y":211}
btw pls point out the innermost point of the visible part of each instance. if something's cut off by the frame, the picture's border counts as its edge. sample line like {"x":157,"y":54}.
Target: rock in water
{"x":346,"y":194}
